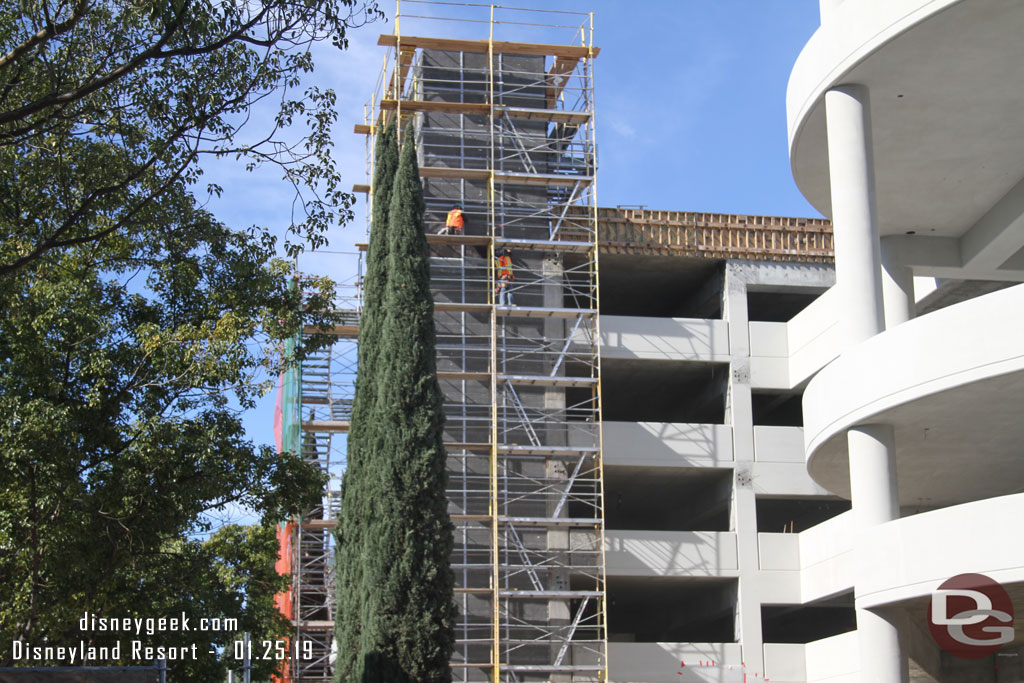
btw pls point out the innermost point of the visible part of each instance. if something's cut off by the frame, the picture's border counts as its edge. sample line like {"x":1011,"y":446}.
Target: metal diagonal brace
{"x":572,"y":631}
{"x":565,"y":209}
{"x":568,"y":486}
{"x":568,"y":343}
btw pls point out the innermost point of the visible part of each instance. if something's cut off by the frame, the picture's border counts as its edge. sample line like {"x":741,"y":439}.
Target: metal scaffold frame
{"x":503,"y":114}
{"x":316,"y":409}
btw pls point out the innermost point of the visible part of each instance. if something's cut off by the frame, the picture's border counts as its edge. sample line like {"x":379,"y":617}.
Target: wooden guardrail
{"x":713,"y":235}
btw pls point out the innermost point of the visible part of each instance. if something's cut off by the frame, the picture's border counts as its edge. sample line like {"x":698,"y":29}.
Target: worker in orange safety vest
{"x":504,"y":277}
{"x":455,"y":222}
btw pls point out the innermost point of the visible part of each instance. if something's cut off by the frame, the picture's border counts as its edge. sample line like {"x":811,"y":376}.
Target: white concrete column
{"x":876,"y":501}
{"x":744,"y":510}
{"x":859,"y":281}
{"x":882,"y":659}
{"x":897,"y":288}
{"x":854,"y":217}
{"x":873,"y":475}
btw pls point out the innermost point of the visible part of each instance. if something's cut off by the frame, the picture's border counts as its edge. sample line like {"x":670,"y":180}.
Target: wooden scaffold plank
{"x":484,"y":46}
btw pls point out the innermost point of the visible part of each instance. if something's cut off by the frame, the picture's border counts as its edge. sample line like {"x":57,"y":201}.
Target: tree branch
{"x":102,"y":82}
{"x":45,"y":34}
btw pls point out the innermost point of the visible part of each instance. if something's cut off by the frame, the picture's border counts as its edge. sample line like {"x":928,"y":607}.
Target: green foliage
{"x":106,"y":108}
{"x":362,"y":439}
{"x":123,"y":368}
{"x":230,"y":575}
{"x":407,"y":585}
{"x":134,"y":328}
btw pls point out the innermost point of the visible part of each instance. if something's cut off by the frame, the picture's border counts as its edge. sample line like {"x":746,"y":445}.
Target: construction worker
{"x":455,"y":222}
{"x":504,"y":277}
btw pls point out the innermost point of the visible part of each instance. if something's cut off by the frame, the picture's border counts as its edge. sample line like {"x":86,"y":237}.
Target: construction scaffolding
{"x":315,"y":409}
{"x":505,"y":128}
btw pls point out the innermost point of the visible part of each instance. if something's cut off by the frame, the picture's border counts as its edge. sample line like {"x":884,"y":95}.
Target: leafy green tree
{"x":231,"y":575}
{"x":361,"y":438}
{"x":133,"y":327}
{"x":106,"y":107}
{"x":124,"y":365}
{"x":407,"y":583}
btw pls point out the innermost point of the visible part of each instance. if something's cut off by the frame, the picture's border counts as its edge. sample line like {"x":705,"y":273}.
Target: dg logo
{"x":971,"y":616}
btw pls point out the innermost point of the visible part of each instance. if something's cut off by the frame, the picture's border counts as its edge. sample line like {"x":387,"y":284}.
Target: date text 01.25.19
{"x":273,"y":649}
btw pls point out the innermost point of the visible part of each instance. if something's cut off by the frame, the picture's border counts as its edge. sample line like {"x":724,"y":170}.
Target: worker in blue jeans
{"x":504,"y":277}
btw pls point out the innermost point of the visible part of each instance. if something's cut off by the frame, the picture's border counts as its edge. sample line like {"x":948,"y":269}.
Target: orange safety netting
{"x":283,"y":600}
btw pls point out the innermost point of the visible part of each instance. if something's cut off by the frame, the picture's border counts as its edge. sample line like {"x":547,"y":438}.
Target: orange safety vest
{"x":504,"y":264}
{"x":455,"y":219}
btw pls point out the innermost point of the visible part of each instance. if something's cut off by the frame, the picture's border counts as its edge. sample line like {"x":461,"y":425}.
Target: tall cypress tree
{"x":408,"y":634}
{"x":362,"y":441}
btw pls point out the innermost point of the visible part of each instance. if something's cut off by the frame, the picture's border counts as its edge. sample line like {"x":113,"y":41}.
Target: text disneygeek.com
{"x":136,"y":649}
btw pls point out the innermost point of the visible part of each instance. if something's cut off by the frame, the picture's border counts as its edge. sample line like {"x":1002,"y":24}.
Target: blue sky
{"x":690,"y":103}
